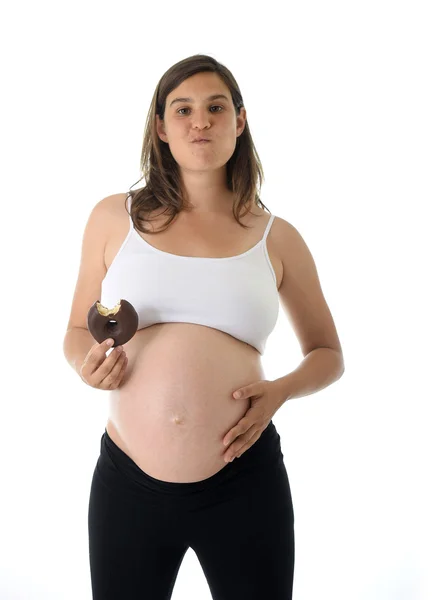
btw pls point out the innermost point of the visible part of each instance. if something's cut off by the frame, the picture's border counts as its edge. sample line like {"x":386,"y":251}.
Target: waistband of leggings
{"x":265,"y":450}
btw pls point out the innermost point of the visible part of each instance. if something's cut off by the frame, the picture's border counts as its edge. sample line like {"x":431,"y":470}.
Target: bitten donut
{"x":119,"y":323}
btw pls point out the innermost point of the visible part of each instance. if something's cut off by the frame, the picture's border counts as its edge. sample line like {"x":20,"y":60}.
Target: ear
{"x":241,"y":121}
{"x":160,"y":129}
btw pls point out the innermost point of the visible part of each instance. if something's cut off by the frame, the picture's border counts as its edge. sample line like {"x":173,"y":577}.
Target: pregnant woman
{"x":205,"y":266}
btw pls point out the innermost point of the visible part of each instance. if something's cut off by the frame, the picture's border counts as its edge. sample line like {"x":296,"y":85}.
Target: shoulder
{"x":114,"y":203}
{"x":110,"y":215}
{"x":285,"y":237}
{"x":292,"y":249}
{"x":283,"y":227}
{"x":113,"y":210}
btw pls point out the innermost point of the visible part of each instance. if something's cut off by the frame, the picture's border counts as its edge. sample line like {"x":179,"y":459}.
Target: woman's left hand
{"x":266,"y":398}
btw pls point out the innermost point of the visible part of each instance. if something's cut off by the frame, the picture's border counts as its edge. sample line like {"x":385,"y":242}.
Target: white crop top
{"x":236,"y":294}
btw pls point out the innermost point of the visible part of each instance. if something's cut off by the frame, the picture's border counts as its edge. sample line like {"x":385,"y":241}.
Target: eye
{"x":185,"y":108}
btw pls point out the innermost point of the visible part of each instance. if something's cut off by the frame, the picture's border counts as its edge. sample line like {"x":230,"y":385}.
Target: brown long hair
{"x":160,"y":171}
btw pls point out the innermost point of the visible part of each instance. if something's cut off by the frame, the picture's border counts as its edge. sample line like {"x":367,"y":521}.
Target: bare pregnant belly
{"x":175,"y":406}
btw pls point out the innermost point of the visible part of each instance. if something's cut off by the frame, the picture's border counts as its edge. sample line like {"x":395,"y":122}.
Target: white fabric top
{"x":236,"y":294}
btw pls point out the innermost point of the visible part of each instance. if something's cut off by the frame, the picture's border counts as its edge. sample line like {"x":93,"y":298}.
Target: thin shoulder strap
{"x":269,"y":224}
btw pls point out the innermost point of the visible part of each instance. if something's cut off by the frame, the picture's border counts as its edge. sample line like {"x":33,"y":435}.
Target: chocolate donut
{"x":119,"y":323}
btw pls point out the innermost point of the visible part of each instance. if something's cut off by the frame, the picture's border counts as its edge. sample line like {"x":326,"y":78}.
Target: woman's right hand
{"x":104,"y":372}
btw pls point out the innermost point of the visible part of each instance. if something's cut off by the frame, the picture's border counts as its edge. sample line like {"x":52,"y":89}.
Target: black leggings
{"x":239,"y":522}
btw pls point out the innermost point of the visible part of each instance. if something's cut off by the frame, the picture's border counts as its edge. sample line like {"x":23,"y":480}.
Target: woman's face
{"x":200,"y":116}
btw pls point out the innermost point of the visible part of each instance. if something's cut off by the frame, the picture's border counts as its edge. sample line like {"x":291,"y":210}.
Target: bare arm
{"x":78,"y":341}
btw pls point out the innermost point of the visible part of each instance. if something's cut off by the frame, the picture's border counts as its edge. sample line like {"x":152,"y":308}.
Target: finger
{"x":240,"y":429}
{"x":110,"y":360}
{"x":242,"y":441}
{"x":249,"y":444}
{"x":117,"y":374}
{"x":96,"y":356}
{"x":123,"y":371}
{"x":110,"y":379}
{"x":105,"y":367}
{"x":121,"y":364}
{"x":110,"y":367}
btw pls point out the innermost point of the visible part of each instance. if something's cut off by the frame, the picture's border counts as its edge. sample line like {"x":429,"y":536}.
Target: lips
{"x":200,"y":140}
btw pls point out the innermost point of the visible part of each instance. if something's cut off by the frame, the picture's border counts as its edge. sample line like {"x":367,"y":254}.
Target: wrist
{"x":281,"y":387}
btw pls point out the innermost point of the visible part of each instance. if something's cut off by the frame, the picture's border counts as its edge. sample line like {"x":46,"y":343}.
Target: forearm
{"x":318,"y":369}
{"x":77,"y":343}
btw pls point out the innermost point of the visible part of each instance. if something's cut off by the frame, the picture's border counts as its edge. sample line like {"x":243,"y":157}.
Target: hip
{"x":260,"y":469}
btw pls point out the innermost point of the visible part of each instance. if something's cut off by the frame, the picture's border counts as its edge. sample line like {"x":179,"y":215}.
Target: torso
{"x":175,"y":405}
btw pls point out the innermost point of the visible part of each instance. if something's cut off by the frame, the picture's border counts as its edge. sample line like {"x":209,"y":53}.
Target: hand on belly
{"x":176,"y":405}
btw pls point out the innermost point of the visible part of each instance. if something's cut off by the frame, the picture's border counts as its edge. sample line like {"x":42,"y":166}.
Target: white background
{"x":341,"y":101}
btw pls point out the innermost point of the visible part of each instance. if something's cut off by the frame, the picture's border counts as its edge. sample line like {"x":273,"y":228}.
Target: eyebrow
{"x":213,"y":97}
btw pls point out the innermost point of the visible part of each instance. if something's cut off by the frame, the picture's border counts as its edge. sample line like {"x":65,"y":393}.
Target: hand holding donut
{"x":119,"y":324}
{"x":104,"y":372}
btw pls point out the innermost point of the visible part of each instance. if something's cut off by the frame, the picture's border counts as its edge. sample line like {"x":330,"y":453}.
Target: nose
{"x":200,"y":119}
